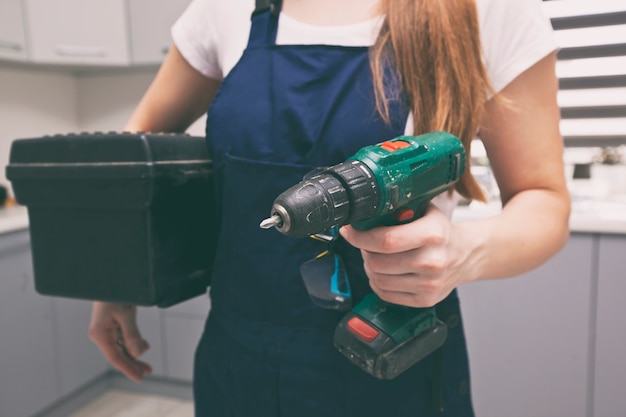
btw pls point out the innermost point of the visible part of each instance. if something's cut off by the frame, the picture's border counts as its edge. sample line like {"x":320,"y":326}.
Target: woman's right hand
{"x":114,"y":330}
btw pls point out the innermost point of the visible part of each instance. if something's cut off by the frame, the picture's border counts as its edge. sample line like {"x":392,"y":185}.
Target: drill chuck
{"x":339,"y":195}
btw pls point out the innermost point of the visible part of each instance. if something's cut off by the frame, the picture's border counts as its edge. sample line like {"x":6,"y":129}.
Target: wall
{"x":35,"y":102}
{"x":107,"y":100}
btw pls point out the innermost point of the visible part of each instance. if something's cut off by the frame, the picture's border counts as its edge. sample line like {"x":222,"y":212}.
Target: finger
{"x":425,"y":262}
{"x":397,"y":283}
{"x":421,"y":300}
{"x":133,"y":342}
{"x":412,"y":283}
{"x":428,"y":230}
{"x":390,"y":264}
{"x":117,"y":356}
{"x":383,"y":239}
{"x":419,"y":289}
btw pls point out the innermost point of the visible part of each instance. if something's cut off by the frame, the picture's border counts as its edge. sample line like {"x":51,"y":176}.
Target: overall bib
{"x":267,"y":350}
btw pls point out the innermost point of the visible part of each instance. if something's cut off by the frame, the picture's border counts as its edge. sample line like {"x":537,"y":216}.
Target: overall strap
{"x":264,"y":5}
{"x":264,"y":23}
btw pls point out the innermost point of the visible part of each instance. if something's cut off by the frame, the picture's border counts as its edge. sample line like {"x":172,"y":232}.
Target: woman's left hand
{"x":415,"y":264}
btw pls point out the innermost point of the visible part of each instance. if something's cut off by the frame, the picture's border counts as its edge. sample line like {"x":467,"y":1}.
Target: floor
{"x":116,"y":403}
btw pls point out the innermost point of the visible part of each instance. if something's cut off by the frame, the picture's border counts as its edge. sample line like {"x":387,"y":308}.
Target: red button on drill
{"x":394,"y":146}
{"x":362,"y":330}
{"x":404,"y":215}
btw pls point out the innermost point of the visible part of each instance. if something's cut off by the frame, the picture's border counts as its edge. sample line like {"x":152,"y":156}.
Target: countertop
{"x":587,"y":217}
{"x":13,"y":219}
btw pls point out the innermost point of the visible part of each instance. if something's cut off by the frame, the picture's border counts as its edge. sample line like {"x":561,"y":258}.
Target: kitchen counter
{"x":13,"y":219}
{"x":587,"y":216}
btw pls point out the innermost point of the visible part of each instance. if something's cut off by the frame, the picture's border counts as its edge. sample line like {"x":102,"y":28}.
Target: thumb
{"x":133,"y":342}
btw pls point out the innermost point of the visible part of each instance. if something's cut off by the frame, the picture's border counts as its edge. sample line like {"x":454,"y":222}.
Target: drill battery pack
{"x":118,"y":217}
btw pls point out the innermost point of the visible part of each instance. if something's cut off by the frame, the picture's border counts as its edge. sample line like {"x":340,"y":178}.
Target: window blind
{"x":591,"y":69}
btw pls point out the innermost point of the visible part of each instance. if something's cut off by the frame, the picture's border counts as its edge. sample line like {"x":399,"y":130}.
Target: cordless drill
{"x":385,"y":184}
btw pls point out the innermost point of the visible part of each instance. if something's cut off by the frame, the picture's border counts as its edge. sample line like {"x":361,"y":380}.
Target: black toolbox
{"x":118,"y":217}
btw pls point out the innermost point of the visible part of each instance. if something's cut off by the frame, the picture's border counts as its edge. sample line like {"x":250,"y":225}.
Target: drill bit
{"x":270,"y":222}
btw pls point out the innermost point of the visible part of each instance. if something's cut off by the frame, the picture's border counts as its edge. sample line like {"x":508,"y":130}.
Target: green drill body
{"x":409,"y":177}
{"x":385,"y":184}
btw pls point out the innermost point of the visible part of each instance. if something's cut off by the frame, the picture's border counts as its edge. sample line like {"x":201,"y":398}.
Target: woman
{"x":304,"y":84}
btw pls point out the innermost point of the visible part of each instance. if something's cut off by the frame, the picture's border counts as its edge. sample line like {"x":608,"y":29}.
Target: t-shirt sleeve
{"x":515,"y":34}
{"x":195,"y":36}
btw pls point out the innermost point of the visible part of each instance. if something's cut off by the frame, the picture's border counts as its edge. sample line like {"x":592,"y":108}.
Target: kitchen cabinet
{"x":150,"y":323}
{"x":150,"y":23}
{"x":12,"y":39}
{"x":92,"y":32}
{"x":117,"y":33}
{"x":173,"y":334}
{"x":79,"y":360}
{"x":28,"y":379}
{"x":610,"y":339}
{"x":184,"y":324}
{"x":45,"y":353}
{"x":529,"y":337}
{"x":182,"y":334}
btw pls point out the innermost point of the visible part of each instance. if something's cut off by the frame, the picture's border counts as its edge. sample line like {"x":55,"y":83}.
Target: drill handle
{"x":405,"y":214}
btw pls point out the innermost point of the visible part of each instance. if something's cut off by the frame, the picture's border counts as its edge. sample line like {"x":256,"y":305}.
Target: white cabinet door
{"x":28,"y":380}
{"x":182,"y":334}
{"x":184,"y":324}
{"x":528,"y":337}
{"x":12,"y":42}
{"x":610,"y":365}
{"x":150,"y":322}
{"x":150,"y":23}
{"x":80,"y":361}
{"x":89,"y":32}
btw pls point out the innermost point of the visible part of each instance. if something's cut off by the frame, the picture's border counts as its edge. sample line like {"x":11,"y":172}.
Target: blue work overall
{"x":267,"y":350}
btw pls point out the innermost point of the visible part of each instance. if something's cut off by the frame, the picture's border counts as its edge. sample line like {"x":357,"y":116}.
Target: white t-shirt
{"x":212,"y":35}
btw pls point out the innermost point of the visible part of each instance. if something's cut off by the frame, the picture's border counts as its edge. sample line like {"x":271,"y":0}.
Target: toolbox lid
{"x":62,"y":169}
{"x":112,"y":147}
{"x":105,"y":155}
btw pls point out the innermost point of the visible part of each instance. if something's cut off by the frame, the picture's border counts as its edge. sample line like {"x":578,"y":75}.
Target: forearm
{"x":532,"y":227}
{"x":525,"y":150}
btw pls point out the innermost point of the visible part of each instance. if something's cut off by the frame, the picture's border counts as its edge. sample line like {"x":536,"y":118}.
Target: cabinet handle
{"x":14,"y":46}
{"x":83,"y":51}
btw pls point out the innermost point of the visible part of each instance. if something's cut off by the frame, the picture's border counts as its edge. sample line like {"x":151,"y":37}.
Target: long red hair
{"x":433,"y":48}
